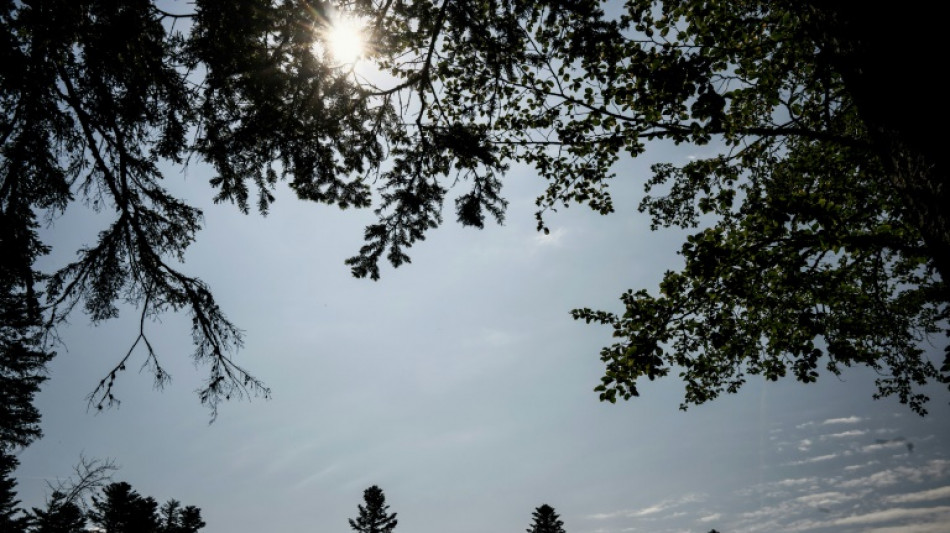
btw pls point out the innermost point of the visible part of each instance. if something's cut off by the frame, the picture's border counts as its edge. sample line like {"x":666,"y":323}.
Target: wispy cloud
{"x":810,"y":460}
{"x":846,"y":420}
{"x":845,"y":434}
{"x":828,"y":499}
{"x":888,"y":515}
{"x":899,"y":442}
{"x":794,"y":482}
{"x":922,"y":496}
{"x":649,"y":510}
{"x":850,"y":468}
{"x":937,"y":468}
{"x":933,"y":527}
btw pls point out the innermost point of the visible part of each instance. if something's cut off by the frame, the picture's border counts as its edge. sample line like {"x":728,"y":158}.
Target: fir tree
{"x":191,"y":520}
{"x":175,"y":519}
{"x":11,"y":519}
{"x":60,"y":516}
{"x":123,"y":510}
{"x":373,"y":517}
{"x":546,"y":521}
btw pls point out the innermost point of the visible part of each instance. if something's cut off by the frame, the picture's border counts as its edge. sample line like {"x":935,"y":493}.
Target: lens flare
{"x":344,"y":40}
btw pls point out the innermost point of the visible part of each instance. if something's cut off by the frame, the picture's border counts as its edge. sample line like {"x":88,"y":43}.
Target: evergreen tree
{"x":22,"y":357}
{"x":175,"y":519}
{"x":10,"y":519}
{"x":373,"y":517}
{"x":170,"y":516}
{"x":60,"y":516}
{"x":546,"y":521}
{"x":191,"y":520}
{"x":122,"y":510}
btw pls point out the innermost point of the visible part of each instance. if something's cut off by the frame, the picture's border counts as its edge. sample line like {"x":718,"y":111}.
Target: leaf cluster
{"x":819,"y":238}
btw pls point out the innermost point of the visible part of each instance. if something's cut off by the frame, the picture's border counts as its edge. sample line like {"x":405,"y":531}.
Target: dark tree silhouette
{"x":820,"y":234}
{"x":373,"y":516}
{"x":60,"y":516}
{"x":119,"y":509}
{"x":22,"y":358}
{"x":546,"y":521}
{"x":191,"y":520}
{"x":175,"y":519}
{"x":12,"y":518}
{"x":89,"y":475}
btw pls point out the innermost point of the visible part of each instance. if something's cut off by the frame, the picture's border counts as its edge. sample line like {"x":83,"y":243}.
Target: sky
{"x":461,"y":386}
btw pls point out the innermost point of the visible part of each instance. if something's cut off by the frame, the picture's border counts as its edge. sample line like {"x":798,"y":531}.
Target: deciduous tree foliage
{"x":820,"y":239}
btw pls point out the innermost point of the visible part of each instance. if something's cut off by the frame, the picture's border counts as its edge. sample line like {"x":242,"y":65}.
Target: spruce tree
{"x":60,"y":516}
{"x":170,"y":516}
{"x":546,"y":521}
{"x":175,"y":519}
{"x":122,"y":510}
{"x":11,"y":519}
{"x":373,"y":517}
{"x":191,"y":520}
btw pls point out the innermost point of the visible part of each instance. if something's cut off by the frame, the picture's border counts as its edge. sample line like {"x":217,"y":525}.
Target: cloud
{"x":857,"y":467}
{"x":934,"y":527}
{"x":650,"y":510}
{"x":937,"y":468}
{"x":884,"y":444}
{"x":710,"y":518}
{"x":880,"y":479}
{"x":847,"y":420}
{"x":794,"y":482}
{"x":804,"y":445}
{"x":845,"y":434}
{"x":922,"y":496}
{"x":887,"y":515}
{"x":830,"y":498}
{"x":810,"y":460}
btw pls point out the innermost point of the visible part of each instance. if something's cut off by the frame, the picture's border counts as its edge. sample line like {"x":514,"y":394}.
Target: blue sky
{"x":461,"y":386}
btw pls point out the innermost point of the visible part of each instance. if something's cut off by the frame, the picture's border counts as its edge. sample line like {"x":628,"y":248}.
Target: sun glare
{"x":344,"y":40}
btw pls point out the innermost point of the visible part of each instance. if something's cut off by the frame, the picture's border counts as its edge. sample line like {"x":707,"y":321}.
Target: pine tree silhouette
{"x":120,"y":509}
{"x":373,"y":517}
{"x":60,"y":516}
{"x":11,"y":517}
{"x":546,"y":521}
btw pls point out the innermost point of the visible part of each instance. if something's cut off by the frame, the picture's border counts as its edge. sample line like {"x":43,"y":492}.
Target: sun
{"x":344,"y":39}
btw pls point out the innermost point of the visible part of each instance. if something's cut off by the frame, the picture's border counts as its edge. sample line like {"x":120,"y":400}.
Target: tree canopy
{"x":820,"y":236}
{"x":120,"y":509}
